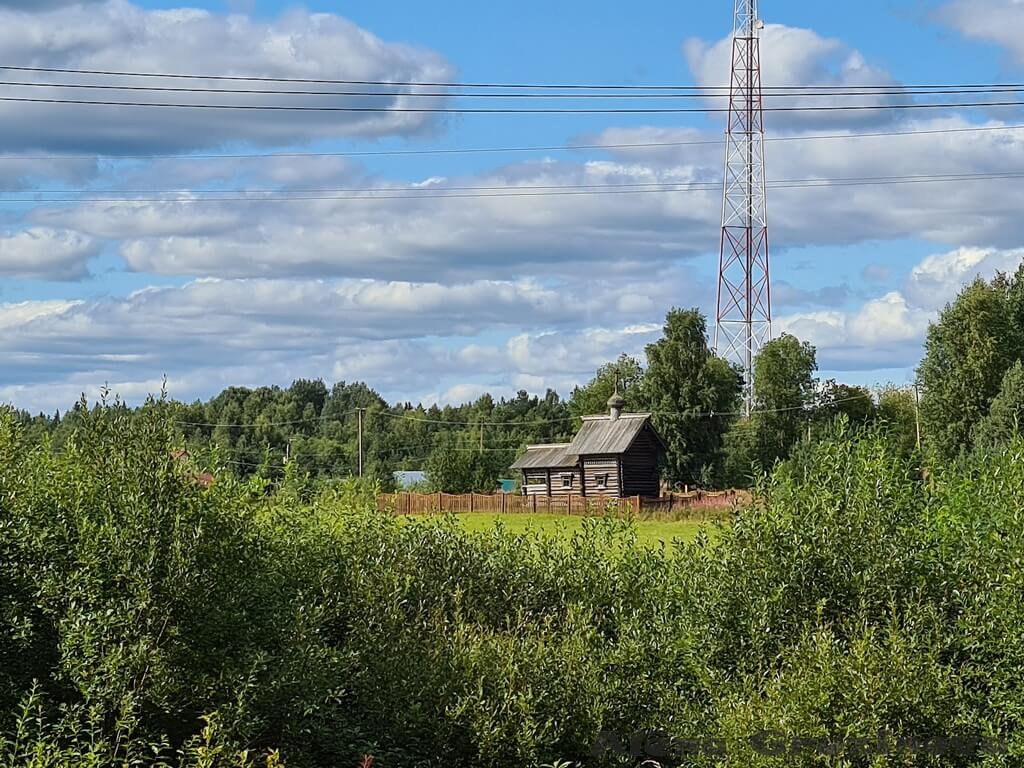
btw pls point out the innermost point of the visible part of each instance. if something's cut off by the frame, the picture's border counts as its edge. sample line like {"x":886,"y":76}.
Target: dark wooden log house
{"x":613,"y":455}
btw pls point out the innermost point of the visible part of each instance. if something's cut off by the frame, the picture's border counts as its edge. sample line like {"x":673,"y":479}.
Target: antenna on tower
{"x":743,"y":322}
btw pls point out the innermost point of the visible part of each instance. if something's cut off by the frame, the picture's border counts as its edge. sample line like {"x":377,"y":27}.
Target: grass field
{"x":650,"y":533}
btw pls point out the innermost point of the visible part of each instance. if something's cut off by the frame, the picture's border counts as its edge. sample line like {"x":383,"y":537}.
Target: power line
{"x":792,"y":93}
{"x":322,"y":417}
{"x":472,"y":424}
{"x":661,"y":185}
{"x":330,"y":190}
{"x":475,"y":150}
{"x":463,"y":449}
{"x":503,"y":110}
{"x":371,"y":194}
{"x":441,"y":84}
{"x":388,"y":414}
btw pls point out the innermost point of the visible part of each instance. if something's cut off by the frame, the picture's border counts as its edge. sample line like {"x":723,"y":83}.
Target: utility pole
{"x":917,"y":414}
{"x":359,"y":412}
{"x":743,"y":321}
{"x":481,"y":438}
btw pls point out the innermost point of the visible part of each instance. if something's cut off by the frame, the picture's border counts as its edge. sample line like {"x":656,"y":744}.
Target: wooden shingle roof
{"x":542,"y":456}
{"x":601,"y":435}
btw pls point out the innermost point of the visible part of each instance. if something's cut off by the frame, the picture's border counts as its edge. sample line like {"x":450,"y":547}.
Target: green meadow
{"x":649,"y":533}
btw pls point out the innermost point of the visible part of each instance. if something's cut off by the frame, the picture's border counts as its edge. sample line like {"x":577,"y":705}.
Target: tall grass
{"x":148,"y":620}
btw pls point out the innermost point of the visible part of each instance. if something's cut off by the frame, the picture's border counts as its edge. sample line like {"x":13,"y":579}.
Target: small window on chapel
{"x":602,"y":481}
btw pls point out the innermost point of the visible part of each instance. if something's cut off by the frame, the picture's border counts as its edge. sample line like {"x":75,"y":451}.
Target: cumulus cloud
{"x":888,"y":331}
{"x":954,"y":212}
{"x":16,"y":315}
{"x":995,"y":21}
{"x":425,"y":238}
{"x":794,"y":56}
{"x":938,"y":278}
{"x":468,"y":237}
{"x":46,"y":254}
{"x":421,"y":238}
{"x":43,"y":5}
{"x":298,"y":44}
{"x":417,"y":341}
{"x":344,"y":329}
{"x":883,"y":333}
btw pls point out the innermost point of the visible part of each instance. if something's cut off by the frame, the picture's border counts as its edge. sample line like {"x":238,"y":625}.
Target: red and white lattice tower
{"x":744,"y":317}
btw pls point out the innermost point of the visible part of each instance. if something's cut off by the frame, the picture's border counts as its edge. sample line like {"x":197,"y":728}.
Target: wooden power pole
{"x":359,"y":412}
{"x":917,"y":414}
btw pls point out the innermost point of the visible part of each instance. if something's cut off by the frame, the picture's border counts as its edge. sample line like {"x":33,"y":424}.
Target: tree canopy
{"x":592,"y":398}
{"x":784,"y":390}
{"x":689,"y":392}
{"x":1005,"y":417}
{"x":968,"y":351}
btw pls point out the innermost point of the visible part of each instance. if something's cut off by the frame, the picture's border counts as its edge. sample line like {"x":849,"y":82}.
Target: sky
{"x":433,"y":300}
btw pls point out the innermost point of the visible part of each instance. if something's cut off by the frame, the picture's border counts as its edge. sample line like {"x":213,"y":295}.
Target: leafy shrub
{"x":168,"y":622}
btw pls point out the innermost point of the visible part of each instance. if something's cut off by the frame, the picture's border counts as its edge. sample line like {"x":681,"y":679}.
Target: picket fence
{"x":694,"y":503}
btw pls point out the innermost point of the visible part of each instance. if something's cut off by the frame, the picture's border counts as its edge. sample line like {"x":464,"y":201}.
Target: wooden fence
{"x":694,"y":503}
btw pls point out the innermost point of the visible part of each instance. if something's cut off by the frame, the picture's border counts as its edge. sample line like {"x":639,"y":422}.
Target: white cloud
{"x":575,"y":354}
{"x":395,"y":335}
{"x":557,"y":236}
{"x":883,"y":333}
{"x":888,"y":331}
{"x":995,"y":21}
{"x":46,"y":254}
{"x":43,"y":5}
{"x":414,"y":340}
{"x":462,"y":393}
{"x":887,"y":320}
{"x":938,"y":278}
{"x":424,"y":239}
{"x":981,"y":211}
{"x":465,"y":239}
{"x":127,"y":220}
{"x":298,"y":44}
{"x":13,"y":316}
{"x":794,"y":56}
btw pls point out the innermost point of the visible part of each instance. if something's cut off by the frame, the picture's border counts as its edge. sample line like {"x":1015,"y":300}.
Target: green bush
{"x":148,"y":618}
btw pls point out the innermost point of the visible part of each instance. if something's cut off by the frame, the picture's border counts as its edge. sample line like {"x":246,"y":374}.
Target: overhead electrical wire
{"x":322,"y":417}
{"x":661,"y":185}
{"x":476,"y":150}
{"x":432,"y":188}
{"x":770,"y":93}
{"x":372,"y":413}
{"x":481,"y":85}
{"x":473,"y":425}
{"x":371,"y":194}
{"x":503,"y":110}
{"x":427,"y":420}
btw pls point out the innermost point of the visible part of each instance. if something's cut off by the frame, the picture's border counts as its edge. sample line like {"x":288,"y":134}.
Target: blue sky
{"x":441,"y":301}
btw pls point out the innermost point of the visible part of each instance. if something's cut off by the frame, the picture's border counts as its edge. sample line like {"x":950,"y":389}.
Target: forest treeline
{"x":970,"y":382}
{"x":695,"y":398}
